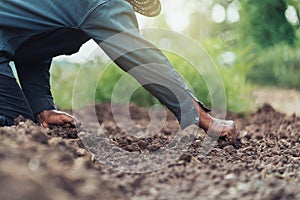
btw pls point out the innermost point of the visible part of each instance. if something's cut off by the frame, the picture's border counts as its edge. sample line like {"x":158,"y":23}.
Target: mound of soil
{"x":86,"y":162}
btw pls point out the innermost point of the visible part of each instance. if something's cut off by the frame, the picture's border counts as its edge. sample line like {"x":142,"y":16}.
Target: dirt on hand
{"x":63,"y":163}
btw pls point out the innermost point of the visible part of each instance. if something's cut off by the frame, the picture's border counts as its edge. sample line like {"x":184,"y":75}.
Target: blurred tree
{"x":264,"y":22}
{"x":199,"y":26}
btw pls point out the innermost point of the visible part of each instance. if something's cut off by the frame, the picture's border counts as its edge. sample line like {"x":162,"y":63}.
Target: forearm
{"x":35,"y":81}
{"x":39,"y":97}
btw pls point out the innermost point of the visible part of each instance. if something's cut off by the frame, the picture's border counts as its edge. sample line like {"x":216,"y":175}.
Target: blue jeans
{"x":51,"y":28}
{"x":13,"y":101}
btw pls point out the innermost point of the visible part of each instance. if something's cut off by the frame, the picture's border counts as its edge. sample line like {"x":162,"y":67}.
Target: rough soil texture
{"x":85,"y":163}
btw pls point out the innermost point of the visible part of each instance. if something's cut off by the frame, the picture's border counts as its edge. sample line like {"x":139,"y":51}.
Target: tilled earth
{"x":105,"y":160}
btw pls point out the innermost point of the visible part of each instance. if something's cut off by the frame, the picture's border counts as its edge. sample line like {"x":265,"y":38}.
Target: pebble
{"x":230,"y":176}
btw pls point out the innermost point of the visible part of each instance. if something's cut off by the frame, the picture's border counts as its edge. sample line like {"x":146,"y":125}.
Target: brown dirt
{"x":38,"y":163}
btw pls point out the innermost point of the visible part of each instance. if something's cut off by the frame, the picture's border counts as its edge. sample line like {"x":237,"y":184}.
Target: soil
{"x":100,"y":160}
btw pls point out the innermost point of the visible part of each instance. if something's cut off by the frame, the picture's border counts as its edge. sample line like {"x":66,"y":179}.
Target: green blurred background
{"x":253,"y":43}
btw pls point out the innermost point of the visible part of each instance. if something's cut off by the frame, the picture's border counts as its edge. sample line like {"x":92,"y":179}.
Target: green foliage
{"x":238,"y":89}
{"x":91,"y":82}
{"x":62,"y":81}
{"x":80,"y":80}
{"x":277,"y":66}
{"x":264,"y":22}
{"x":108,"y":82}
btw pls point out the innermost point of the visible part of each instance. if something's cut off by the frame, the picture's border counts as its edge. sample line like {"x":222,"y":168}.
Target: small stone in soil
{"x":187,"y":157}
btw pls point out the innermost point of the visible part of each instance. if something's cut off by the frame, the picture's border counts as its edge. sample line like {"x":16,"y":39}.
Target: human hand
{"x":223,"y":129}
{"x":54,"y":117}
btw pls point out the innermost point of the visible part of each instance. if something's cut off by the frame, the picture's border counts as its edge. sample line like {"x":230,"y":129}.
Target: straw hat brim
{"x":149,"y":8}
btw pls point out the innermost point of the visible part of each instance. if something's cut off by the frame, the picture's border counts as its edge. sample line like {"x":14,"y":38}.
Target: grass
{"x":277,"y":66}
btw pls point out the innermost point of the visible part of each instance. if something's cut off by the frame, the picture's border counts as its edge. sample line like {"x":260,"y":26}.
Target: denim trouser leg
{"x":12,"y":101}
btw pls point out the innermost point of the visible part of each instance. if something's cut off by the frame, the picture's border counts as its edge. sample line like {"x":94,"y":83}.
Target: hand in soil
{"x":54,"y":117}
{"x":223,"y":129}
